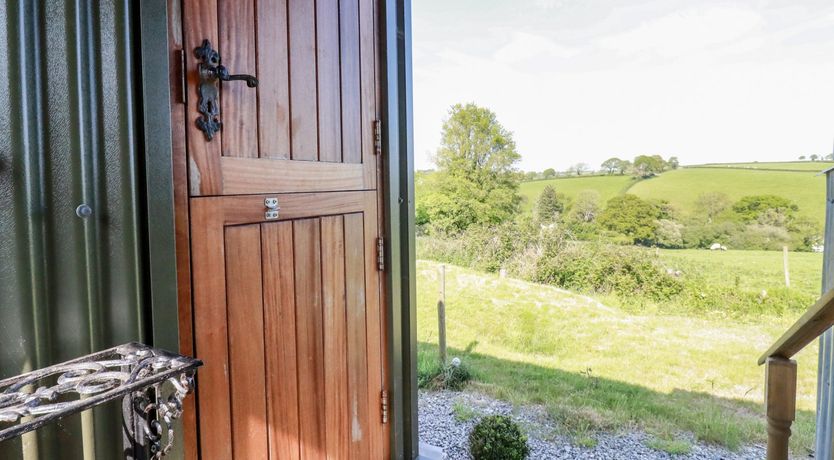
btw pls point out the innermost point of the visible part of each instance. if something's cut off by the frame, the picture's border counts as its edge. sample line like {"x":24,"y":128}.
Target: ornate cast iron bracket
{"x":210,"y":71}
{"x":152,"y":384}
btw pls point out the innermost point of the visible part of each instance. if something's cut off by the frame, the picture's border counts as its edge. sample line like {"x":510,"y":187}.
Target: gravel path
{"x":439,"y":427}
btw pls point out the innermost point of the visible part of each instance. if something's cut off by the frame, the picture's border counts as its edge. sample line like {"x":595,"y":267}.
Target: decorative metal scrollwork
{"x":140,"y":375}
{"x":210,"y":71}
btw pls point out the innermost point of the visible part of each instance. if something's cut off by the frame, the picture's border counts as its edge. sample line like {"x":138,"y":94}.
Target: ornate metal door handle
{"x":210,"y":70}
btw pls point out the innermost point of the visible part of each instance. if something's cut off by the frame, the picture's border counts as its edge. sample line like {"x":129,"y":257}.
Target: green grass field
{"x":598,"y":368}
{"x":682,"y":187}
{"x":607,"y":186}
{"x":749,"y":270}
{"x":815,"y":166}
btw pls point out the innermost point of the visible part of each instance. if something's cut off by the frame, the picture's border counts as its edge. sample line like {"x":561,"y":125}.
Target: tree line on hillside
{"x":642,"y":166}
{"x":477,"y":185}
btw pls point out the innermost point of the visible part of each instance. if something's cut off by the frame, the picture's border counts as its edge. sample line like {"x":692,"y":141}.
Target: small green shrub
{"x":431,"y":375}
{"x":498,"y":437}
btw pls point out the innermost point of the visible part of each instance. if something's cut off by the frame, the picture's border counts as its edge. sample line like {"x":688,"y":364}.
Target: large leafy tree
{"x":477,"y":180}
{"x":630,"y":216}
{"x":647,"y":166}
{"x":612,"y":165}
{"x":755,"y":207}
{"x":550,"y":205}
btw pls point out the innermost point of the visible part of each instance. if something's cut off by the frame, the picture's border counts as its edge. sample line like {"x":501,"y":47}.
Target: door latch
{"x":272,"y":208}
{"x":210,"y":70}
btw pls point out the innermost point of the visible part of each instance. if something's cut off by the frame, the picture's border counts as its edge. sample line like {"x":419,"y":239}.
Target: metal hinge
{"x":183,"y":85}
{"x":378,"y":137}
{"x":384,"y":406}
{"x":380,"y":254}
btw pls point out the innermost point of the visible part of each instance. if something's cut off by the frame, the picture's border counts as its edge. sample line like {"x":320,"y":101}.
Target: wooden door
{"x":312,"y":114}
{"x":287,"y":308}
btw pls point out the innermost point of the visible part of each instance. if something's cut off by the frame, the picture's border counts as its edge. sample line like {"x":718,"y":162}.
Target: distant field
{"x":607,"y":186}
{"x":752,"y":270}
{"x":682,"y":187}
{"x":773,"y":166}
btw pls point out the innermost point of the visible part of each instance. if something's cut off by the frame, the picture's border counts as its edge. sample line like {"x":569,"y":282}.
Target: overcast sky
{"x":584,"y":80}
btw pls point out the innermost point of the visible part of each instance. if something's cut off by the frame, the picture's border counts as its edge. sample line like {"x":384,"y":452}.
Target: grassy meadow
{"x":607,"y":186}
{"x":598,"y":368}
{"x":681,"y":187}
{"x":815,"y":166}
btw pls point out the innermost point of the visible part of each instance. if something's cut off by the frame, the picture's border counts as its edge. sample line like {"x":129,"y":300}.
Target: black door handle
{"x":210,"y":71}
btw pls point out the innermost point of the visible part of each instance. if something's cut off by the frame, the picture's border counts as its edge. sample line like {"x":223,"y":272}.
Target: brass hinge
{"x":380,"y":254}
{"x":384,"y":404}
{"x":183,"y":85}
{"x":378,"y":137}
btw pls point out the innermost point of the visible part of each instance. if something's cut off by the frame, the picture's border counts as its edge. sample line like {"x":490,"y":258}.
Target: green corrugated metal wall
{"x":69,"y":135}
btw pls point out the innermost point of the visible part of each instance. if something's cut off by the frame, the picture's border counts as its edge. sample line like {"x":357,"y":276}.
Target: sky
{"x":585,"y":80}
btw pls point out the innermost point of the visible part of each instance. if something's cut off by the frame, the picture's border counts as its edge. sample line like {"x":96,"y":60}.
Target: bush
{"x":431,"y":375}
{"x":498,"y":437}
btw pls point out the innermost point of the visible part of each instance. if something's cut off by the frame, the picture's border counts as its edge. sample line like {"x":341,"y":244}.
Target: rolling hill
{"x":682,"y":186}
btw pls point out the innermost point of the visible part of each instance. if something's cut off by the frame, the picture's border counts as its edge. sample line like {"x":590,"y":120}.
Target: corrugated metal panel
{"x":68,"y":135}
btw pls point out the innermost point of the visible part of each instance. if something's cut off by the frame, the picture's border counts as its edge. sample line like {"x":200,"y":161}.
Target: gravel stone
{"x":439,"y":427}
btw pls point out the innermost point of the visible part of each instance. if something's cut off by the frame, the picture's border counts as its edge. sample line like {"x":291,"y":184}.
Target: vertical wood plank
{"x":200,"y":22}
{"x":376,"y":347}
{"x":367,"y":59}
{"x":280,"y":337}
{"x":246,"y":342}
{"x":351,"y":110}
{"x":238,"y":102}
{"x":179,"y":166}
{"x":273,"y":87}
{"x":329,"y":84}
{"x":335,"y":336}
{"x":358,"y":381}
{"x":309,"y":337}
{"x":303,"y":98}
{"x":210,"y":330}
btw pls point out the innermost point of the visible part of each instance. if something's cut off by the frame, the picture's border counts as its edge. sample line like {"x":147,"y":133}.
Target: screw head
{"x":84,"y":211}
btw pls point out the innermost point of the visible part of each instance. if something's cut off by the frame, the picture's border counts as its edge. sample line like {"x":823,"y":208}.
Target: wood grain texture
{"x":273,"y":70}
{"x":329,"y":85}
{"x":376,"y":379}
{"x":309,"y":337}
{"x":357,"y":344}
{"x":335,"y":336}
{"x":280,"y":337}
{"x":807,"y":328}
{"x":246,"y":342}
{"x":199,"y":23}
{"x":247,"y":175}
{"x":303,"y":97}
{"x":179,"y":166}
{"x":367,"y":66}
{"x":238,"y":102}
{"x":210,"y":329}
{"x":350,"y":74}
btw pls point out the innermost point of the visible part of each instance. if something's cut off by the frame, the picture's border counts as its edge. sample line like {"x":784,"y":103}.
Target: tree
{"x":673,"y":163}
{"x":578,"y":169}
{"x":478,"y":182}
{"x":530,"y":176}
{"x":625,"y":166}
{"x":802,"y":157}
{"x":710,"y":204}
{"x":630,"y":216}
{"x":586,"y":206}
{"x":815,"y":157}
{"x":772,"y":209}
{"x":647,"y":166}
{"x":550,"y":205}
{"x":612,"y":165}
{"x":549,"y":173}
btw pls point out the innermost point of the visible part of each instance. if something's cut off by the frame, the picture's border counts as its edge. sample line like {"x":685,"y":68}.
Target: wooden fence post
{"x":780,"y":402}
{"x":785,"y":263}
{"x":441,"y":317}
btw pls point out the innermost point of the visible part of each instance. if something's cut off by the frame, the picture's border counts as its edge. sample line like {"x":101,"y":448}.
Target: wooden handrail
{"x":815,"y":321}
{"x":780,"y":374}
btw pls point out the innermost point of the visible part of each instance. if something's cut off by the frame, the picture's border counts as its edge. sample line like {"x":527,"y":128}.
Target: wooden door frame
{"x":168,"y":203}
